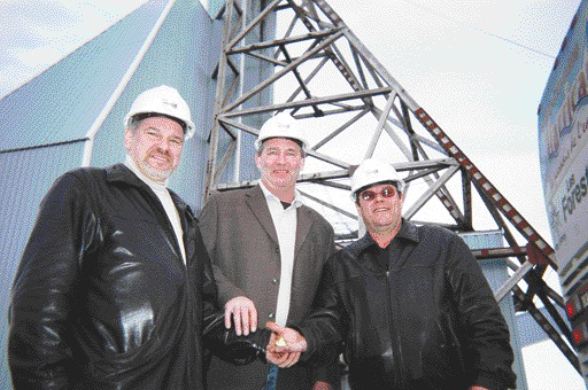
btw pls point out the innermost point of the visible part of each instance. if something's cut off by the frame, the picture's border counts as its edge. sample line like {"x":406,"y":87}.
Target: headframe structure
{"x":314,"y":67}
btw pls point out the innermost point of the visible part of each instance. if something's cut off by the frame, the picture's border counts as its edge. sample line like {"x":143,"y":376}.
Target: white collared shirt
{"x":285,"y":222}
{"x":166,"y":201}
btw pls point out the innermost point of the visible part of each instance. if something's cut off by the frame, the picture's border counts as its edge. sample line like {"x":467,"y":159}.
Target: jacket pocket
{"x":442,"y":359}
{"x":114,"y":364}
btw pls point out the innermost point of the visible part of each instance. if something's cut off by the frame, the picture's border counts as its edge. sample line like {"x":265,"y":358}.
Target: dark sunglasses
{"x":386,"y":192}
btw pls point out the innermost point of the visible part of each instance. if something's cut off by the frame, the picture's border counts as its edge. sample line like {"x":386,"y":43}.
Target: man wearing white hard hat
{"x":115,"y":286}
{"x":409,"y":303}
{"x":267,"y":250}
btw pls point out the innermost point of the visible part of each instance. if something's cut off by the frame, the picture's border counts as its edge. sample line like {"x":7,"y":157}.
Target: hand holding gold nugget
{"x":281,"y":342}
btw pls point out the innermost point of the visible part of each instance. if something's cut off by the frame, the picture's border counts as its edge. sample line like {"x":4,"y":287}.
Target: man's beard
{"x":155,"y":174}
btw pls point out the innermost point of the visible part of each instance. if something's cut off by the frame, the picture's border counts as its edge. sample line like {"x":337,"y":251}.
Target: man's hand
{"x":244,"y":315}
{"x":320,"y":385}
{"x":285,"y":339}
{"x":283,"y":359}
{"x":476,"y":387}
{"x":280,"y":359}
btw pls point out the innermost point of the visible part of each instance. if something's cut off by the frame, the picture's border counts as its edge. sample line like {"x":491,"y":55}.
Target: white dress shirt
{"x":285,"y":222}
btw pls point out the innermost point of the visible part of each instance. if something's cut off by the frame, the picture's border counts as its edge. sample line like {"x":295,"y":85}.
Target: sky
{"x":478,"y":67}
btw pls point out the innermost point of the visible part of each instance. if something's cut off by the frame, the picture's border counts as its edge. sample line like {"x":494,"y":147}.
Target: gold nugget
{"x":281,"y":342}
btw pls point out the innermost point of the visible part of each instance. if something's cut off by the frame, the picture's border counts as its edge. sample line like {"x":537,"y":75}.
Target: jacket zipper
{"x":398,"y":373}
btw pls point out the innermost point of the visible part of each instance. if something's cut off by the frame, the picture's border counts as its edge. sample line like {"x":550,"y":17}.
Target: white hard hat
{"x":282,"y":125}
{"x":162,"y":100}
{"x":372,"y":171}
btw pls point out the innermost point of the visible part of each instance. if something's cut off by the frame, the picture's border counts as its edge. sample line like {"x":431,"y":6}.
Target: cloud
{"x":37,"y":34}
{"x":28,"y":37}
{"x":29,"y":58}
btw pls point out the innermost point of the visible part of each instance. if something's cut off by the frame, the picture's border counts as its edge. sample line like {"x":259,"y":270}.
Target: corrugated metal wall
{"x":26,"y":176}
{"x":62,"y":103}
{"x":496,"y":273}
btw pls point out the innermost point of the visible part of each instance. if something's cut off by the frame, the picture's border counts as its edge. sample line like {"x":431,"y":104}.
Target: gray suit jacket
{"x":242,"y":242}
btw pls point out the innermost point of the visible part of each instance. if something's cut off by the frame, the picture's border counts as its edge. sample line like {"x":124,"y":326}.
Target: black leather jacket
{"x":102,"y":298}
{"x":425,"y":320}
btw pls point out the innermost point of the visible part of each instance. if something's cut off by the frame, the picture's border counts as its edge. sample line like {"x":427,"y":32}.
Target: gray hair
{"x":136,"y":120}
{"x":262,"y":146}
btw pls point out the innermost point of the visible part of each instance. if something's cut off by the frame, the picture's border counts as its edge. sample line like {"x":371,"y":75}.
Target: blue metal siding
{"x":495,"y":271}
{"x":26,"y":177}
{"x":62,"y":103}
{"x":529,"y":331}
{"x":214,"y":7}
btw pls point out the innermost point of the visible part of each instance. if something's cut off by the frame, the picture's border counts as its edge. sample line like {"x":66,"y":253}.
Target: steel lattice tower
{"x":320,"y":72}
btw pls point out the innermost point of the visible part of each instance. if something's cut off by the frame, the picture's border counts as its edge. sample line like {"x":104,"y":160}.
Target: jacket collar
{"x":297,"y":202}
{"x":304,"y":223}
{"x":408,"y":231}
{"x":258,"y":205}
{"x":120,"y":173}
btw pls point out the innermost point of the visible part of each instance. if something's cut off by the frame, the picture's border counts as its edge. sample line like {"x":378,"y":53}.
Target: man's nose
{"x":282,"y":157}
{"x":379,"y":197}
{"x":164,"y":145}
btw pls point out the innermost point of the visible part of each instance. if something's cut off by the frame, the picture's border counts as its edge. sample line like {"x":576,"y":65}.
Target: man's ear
{"x":128,"y":137}
{"x":358,"y":208}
